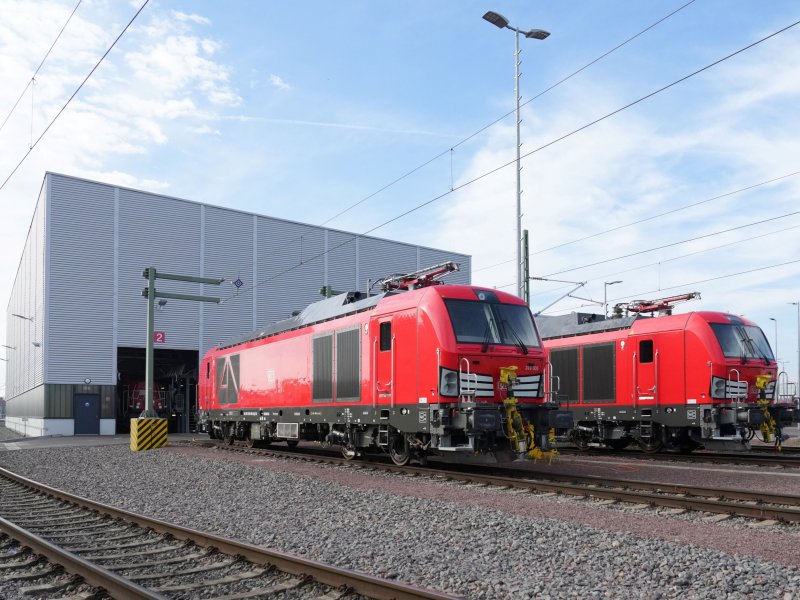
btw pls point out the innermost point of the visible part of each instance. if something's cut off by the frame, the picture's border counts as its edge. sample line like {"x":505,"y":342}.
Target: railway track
{"x":739,"y":503}
{"x":123,"y":555}
{"x":758,"y":456}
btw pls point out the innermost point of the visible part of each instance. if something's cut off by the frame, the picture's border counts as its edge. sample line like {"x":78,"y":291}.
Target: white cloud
{"x":279,"y":83}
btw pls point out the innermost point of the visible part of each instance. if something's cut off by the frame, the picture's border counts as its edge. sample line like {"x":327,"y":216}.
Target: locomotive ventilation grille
{"x":481,"y":386}
{"x":527,"y":386}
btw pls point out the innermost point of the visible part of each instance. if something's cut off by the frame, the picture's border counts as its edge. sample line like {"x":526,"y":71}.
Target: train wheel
{"x":227,"y":437}
{"x":349,"y":453}
{"x":654,"y":444}
{"x":399,"y":452}
{"x":292,"y":443}
{"x":619,"y":444}
{"x":581,"y":441}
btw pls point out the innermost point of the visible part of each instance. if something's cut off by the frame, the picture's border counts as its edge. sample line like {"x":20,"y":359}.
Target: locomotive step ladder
{"x":646,"y":430}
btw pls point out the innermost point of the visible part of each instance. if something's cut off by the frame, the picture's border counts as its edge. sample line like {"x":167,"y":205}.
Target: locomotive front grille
{"x":527,"y":386}
{"x":481,"y":386}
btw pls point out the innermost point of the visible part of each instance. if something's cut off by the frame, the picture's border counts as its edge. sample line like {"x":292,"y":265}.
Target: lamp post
{"x":776,"y":338}
{"x":605,"y":295}
{"x":500,"y":21}
{"x":797,"y":384}
{"x":22,"y":317}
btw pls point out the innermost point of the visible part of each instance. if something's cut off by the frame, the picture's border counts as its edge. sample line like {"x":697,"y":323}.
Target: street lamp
{"x":797,"y":385}
{"x":605,"y":295}
{"x":9,"y":347}
{"x":776,"y":338}
{"x":22,"y":317}
{"x":500,"y":21}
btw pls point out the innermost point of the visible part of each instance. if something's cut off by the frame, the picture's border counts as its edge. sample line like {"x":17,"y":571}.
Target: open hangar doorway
{"x":174,"y":387}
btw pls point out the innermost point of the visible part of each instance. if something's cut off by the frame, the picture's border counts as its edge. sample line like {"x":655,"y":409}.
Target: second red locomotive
{"x":678,"y":382}
{"x":419,"y":369}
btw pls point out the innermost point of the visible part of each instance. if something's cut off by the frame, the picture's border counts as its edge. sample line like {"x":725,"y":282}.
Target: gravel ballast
{"x":477,"y":542}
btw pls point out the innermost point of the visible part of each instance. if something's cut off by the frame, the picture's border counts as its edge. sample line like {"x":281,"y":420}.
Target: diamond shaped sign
{"x":238,"y":283}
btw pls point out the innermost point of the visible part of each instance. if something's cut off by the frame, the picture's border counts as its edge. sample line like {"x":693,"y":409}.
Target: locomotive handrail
{"x":375,"y":391}
{"x":549,"y":377}
{"x":468,"y":391}
{"x":737,"y":395}
{"x":635,"y":387}
{"x":391,"y":381}
{"x":655,"y":383}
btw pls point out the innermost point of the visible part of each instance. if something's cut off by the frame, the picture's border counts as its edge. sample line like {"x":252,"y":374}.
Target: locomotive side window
{"x":386,"y":336}
{"x":208,"y":370}
{"x":646,"y":351}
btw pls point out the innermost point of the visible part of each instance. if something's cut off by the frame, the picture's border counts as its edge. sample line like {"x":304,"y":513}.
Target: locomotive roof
{"x":317,"y":312}
{"x":579,"y":324}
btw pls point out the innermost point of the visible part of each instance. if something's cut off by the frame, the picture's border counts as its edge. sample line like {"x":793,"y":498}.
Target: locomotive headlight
{"x":718,"y":387}
{"x":448,"y":382}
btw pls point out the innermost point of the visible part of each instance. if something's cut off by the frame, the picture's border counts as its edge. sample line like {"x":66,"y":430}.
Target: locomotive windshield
{"x":742,"y":341}
{"x":492,"y":323}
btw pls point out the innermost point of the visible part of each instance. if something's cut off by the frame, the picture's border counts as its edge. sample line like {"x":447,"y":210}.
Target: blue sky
{"x":300,"y":110}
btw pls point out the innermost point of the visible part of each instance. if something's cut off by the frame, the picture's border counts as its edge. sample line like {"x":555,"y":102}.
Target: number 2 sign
{"x":159,"y":337}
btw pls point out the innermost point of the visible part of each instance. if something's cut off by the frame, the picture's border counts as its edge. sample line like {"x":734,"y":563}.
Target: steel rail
{"x":782,"y":507}
{"x":366,"y":585}
{"x":768,"y":457}
{"x":95,"y":575}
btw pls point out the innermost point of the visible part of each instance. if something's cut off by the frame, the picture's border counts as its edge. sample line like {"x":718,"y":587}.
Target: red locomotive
{"x":422,"y":368}
{"x":676,"y":382}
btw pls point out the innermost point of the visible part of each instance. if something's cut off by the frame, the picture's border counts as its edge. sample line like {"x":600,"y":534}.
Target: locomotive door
{"x":645,"y":389}
{"x":383,"y":343}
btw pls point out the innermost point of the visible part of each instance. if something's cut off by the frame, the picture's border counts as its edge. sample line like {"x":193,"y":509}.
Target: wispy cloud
{"x":279,"y":83}
{"x":352,"y":126}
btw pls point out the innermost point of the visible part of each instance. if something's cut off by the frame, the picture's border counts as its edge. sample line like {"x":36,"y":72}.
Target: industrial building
{"x":76,"y":319}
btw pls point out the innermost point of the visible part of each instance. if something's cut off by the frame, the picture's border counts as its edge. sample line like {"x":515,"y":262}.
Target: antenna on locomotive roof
{"x":417,"y":279}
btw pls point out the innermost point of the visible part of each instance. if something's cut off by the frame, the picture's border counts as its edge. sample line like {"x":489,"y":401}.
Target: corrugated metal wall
{"x":25,"y":336}
{"x":80,"y":283}
{"x":165,"y":234}
{"x":103,"y":236}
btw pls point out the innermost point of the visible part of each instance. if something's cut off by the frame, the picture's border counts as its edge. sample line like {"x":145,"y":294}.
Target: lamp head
{"x":497,"y":19}
{"x":537,"y":34}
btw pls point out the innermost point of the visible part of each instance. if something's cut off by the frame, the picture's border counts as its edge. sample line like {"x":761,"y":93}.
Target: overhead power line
{"x":75,"y":93}
{"x":36,"y":72}
{"x":692,"y":283}
{"x":512,"y":162}
{"x":681,"y":256}
{"x":650,"y":218}
{"x":499,"y":119}
{"x":700,"y":237}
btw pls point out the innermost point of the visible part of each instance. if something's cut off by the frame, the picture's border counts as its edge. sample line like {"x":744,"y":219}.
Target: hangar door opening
{"x":174,"y":387}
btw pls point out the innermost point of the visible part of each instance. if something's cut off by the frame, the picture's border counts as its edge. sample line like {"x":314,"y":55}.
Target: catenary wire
{"x":75,"y":93}
{"x":684,"y":285}
{"x":650,"y":218}
{"x":673,"y":258}
{"x":700,"y":237}
{"x":36,"y":72}
{"x":502,"y":166}
{"x":499,"y":119}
